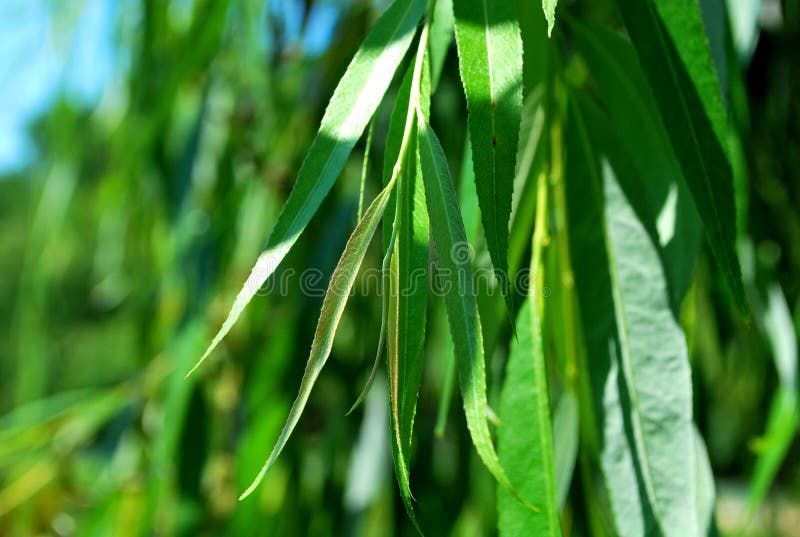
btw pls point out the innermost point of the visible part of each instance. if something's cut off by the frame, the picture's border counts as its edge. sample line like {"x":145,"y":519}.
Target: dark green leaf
{"x":673,"y":51}
{"x":638,"y":125}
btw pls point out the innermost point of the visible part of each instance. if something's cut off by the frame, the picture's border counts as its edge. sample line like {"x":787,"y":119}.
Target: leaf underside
{"x":636,"y":351}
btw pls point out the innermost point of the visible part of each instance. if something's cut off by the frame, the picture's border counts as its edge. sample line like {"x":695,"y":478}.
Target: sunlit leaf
{"x":549,"y":7}
{"x":490,"y":60}
{"x":352,"y":105}
{"x":408,"y":293}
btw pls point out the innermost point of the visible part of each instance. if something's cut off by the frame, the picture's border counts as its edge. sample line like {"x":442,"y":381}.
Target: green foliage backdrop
{"x":581,"y":317}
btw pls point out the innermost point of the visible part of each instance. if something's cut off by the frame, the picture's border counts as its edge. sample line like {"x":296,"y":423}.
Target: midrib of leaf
{"x":621,"y":328}
{"x":284,"y":235}
{"x":490,"y":72}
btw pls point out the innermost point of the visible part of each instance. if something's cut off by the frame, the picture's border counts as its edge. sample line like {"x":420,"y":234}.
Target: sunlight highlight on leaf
{"x":353,"y":103}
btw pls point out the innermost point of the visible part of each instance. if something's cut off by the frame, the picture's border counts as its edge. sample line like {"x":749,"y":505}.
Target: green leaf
{"x":674,"y":53}
{"x":638,"y":125}
{"x":339,"y":288}
{"x":566,"y":436}
{"x":441,"y":38}
{"x":454,"y":278}
{"x":549,"y":7}
{"x":775,"y":321}
{"x":638,"y":360}
{"x":490,"y":60}
{"x":525,"y":435}
{"x":706,"y":491}
{"x":406,"y":316}
{"x":353,"y":103}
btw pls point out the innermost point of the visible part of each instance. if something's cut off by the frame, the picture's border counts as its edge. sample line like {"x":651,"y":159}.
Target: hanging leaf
{"x":549,"y":7}
{"x":454,"y":279}
{"x":490,"y":60}
{"x":638,"y":125}
{"x":635,"y":347}
{"x":406,"y":316}
{"x":525,"y":436}
{"x":339,"y":288}
{"x":674,"y":53}
{"x":353,"y":103}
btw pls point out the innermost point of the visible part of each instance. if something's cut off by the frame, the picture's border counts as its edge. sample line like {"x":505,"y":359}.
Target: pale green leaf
{"x":352,"y":105}
{"x":339,"y":288}
{"x":638,"y":360}
{"x":490,"y":61}
{"x":549,"y":7}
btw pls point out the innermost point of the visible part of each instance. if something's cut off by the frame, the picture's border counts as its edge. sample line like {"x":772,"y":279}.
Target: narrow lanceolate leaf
{"x":525,"y":435}
{"x":638,"y":362}
{"x":406,"y":316}
{"x":353,"y":103}
{"x":339,"y":288}
{"x":674,"y":53}
{"x":549,"y":7}
{"x":638,"y":125}
{"x":490,"y":60}
{"x":454,"y":279}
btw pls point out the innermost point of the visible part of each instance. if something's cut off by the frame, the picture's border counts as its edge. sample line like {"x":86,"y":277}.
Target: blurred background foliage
{"x":146,"y":149}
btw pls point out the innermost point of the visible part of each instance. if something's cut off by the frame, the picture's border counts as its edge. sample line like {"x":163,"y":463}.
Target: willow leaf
{"x":352,"y":105}
{"x":441,"y":38}
{"x":639,"y":369}
{"x":525,"y":435}
{"x":638,"y":125}
{"x":454,"y":279}
{"x":549,"y":8}
{"x":339,"y":288}
{"x":566,"y":435}
{"x":406,"y":318}
{"x":674,"y":53}
{"x":775,"y":320}
{"x":490,"y":60}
